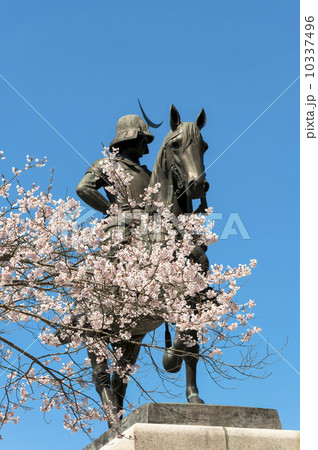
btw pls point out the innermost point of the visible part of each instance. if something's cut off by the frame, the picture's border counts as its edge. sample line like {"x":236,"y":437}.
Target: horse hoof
{"x":194,"y":398}
{"x":171,"y":362}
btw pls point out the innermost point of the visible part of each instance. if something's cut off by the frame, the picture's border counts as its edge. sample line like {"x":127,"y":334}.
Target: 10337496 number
{"x":309,"y":47}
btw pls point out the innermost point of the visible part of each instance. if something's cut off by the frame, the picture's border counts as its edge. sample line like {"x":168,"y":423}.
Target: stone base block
{"x":145,"y":436}
{"x":179,"y":426}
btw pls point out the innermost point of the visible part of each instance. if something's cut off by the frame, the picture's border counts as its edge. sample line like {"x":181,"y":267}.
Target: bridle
{"x":181,"y":182}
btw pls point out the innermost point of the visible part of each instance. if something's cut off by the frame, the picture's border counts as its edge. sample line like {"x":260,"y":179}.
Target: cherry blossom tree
{"x":75,"y":286}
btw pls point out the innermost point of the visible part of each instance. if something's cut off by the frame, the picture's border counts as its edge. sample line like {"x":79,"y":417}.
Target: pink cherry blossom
{"x":88,"y":287}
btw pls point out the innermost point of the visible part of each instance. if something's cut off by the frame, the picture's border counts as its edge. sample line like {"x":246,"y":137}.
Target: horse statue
{"x":179,"y":168}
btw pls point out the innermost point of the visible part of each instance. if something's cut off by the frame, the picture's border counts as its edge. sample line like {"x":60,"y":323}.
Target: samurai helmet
{"x":129,"y":128}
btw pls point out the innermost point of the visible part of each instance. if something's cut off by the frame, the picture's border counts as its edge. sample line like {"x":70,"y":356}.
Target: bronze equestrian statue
{"x":179,"y":168}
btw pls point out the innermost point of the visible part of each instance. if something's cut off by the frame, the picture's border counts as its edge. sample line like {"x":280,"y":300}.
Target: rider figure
{"x":132,"y":139}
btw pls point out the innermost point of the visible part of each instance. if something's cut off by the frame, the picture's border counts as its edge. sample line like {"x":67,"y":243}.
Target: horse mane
{"x":159,"y":167}
{"x":161,"y":174}
{"x":191,"y":133}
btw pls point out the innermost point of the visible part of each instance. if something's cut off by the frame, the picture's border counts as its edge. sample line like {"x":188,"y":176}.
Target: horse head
{"x":185,"y":148}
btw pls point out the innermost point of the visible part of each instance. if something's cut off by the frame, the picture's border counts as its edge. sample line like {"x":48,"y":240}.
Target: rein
{"x":181,"y":189}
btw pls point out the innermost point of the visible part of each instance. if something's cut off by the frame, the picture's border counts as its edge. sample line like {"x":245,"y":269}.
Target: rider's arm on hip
{"x":87,"y":188}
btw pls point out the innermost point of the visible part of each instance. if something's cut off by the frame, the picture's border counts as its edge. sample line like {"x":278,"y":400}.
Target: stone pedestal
{"x":179,"y":426}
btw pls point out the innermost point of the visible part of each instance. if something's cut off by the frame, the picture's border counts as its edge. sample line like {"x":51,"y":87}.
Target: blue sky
{"x":82,"y":65}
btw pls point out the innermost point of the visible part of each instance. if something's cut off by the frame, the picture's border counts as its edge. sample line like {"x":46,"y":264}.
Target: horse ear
{"x":201,"y":119}
{"x":174,"y":118}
